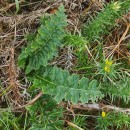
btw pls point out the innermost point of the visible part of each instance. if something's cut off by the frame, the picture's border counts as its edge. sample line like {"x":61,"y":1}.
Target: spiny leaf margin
{"x":62,"y":85}
{"x":44,"y":47}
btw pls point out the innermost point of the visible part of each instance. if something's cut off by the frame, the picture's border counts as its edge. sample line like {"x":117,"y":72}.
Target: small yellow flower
{"x":103,"y":114}
{"x":108,"y":63}
{"x":107,"y":67}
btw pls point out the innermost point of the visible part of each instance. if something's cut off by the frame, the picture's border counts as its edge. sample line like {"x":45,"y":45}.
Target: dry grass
{"x":13,"y":28}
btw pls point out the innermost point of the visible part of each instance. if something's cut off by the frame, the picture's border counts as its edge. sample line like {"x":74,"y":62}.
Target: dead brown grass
{"x":13,"y":28}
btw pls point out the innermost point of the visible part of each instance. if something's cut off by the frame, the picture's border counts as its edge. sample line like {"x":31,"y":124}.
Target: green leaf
{"x":45,"y":114}
{"x":121,"y":89}
{"x":61,"y":85}
{"x":17,"y":5}
{"x":45,"y":45}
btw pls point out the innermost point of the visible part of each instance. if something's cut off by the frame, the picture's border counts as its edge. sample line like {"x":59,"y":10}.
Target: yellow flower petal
{"x":108,"y":63}
{"x":107,"y":69}
{"x":103,"y":114}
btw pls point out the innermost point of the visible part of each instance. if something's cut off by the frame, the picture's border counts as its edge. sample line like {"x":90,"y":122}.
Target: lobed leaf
{"x":61,"y":85}
{"x":44,"y":47}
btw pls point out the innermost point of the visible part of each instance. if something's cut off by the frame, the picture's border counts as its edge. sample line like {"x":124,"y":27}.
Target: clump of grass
{"x":105,"y":20}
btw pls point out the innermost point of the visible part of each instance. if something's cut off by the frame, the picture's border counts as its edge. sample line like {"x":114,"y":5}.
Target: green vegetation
{"x":105,"y":20}
{"x":93,"y":78}
{"x":44,"y":46}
